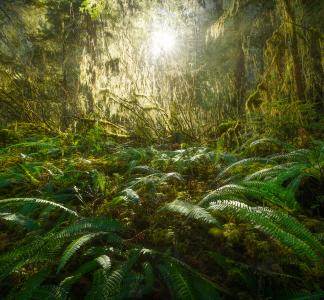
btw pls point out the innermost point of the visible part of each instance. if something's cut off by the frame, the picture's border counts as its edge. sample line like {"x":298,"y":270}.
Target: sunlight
{"x":162,"y":41}
{"x":148,"y":148}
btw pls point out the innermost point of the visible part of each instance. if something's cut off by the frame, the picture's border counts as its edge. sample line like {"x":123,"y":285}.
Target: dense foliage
{"x":161,"y":149}
{"x":239,"y":60}
{"x":122,"y":221}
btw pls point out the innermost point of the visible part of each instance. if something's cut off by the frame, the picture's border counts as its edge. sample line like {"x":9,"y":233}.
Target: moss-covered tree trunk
{"x":297,"y":64}
{"x":317,"y":71}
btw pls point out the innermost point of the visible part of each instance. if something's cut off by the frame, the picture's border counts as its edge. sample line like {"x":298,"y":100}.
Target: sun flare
{"x":163,"y":41}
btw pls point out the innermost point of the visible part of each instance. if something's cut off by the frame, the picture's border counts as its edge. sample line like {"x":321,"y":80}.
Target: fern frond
{"x":192,"y":211}
{"x":273,"y":141}
{"x":14,"y":201}
{"x":152,"y":181}
{"x":143,"y":170}
{"x":104,"y":261}
{"x":202,"y":288}
{"x":224,"y":191}
{"x":74,"y":247}
{"x":271,"y":192}
{"x":50,"y":292}
{"x":176,"y":282}
{"x":254,"y":190}
{"x":90,"y":266}
{"x":90,"y":225}
{"x":268,"y":173}
{"x":130,"y":196}
{"x":291,"y":173}
{"x":294,"y":227}
{"x":243,"y":162}
{"x":173,"y":175}
{"x":106,"y":286}
{"x":19,"y":257}
{"x":300,"y":155}
{"x":20,"y":220}
{"x":113,"y":282}
{"x":277,"y":229}
{"x":149,"y":277}
{"x":97,"y":290}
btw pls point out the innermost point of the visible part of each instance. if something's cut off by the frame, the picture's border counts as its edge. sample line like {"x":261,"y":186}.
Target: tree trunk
{"x":317,"y":70}
{"x":297,"y":64}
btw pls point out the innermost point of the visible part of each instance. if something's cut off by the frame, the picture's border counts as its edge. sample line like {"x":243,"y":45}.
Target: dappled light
{"x":161,"y":149}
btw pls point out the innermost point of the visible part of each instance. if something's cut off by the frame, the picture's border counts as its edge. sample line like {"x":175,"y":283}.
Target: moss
{"x":253,"y":102}
{"x":256,"y":249}
{"x":232,"y":232}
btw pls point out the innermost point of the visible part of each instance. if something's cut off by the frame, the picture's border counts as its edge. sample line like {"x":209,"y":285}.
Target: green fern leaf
{"x":243,"y":162}
{"x":176,"y":282}
{"x":13,"y":201}
{"x":192,"y":211}
{"x":74,"y":247}
{"x":20,"y":220}
{"x":104,"y":261}
{"x":87,"y":267}
{"x":90,"y":225}
{"x":271,"y":141}
{"x":277,"y":230}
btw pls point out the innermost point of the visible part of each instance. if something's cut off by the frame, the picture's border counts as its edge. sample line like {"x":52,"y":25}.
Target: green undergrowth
{"x":85,"y":216}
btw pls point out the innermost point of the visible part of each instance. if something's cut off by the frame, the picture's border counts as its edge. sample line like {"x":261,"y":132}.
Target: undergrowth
{"x":90,"y":217}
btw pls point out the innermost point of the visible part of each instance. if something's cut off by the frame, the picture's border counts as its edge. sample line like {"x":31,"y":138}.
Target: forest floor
{"x":195,"y":222}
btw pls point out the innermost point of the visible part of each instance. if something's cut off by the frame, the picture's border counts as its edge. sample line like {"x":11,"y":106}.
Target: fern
{"x":35,"y":252}
{"x":154,"y":180}
{"x":50,"y":292}
{"x":191,"y":211}
{"x":243,"y":162}
{"x":99,"y":181}
{"x":107,"y":286}
{"x":102,"y":261}
{"x":300,"y":155}
{"x":283,"y":228}
{"x":143,"y":170}
{"x":74,"y":247}
{"x":113,"y":282}
{"x":269,"y":173}
{"x":20,"y":219}
{"x":262,"y":191}
{"x":15,"y":201}
{"x":10,"y":177}
{"x":267,"y":141}
{"x":32,"y":284}
{"x":186,"y":283}
{"x":149,"y":277}
{"x":69,"y":281}
{"x":202,"y":288}
{"x":296,"y":228}
{"x":150,"y":183}
{"x":176,"y":282}
{"x":48,"y":247}
{"x":90,"y":225}
{"x":97,"y":289}
{"x":130,"y":196}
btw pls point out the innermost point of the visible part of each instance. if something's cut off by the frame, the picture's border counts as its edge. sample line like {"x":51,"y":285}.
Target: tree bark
{"x":297,"y":64}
